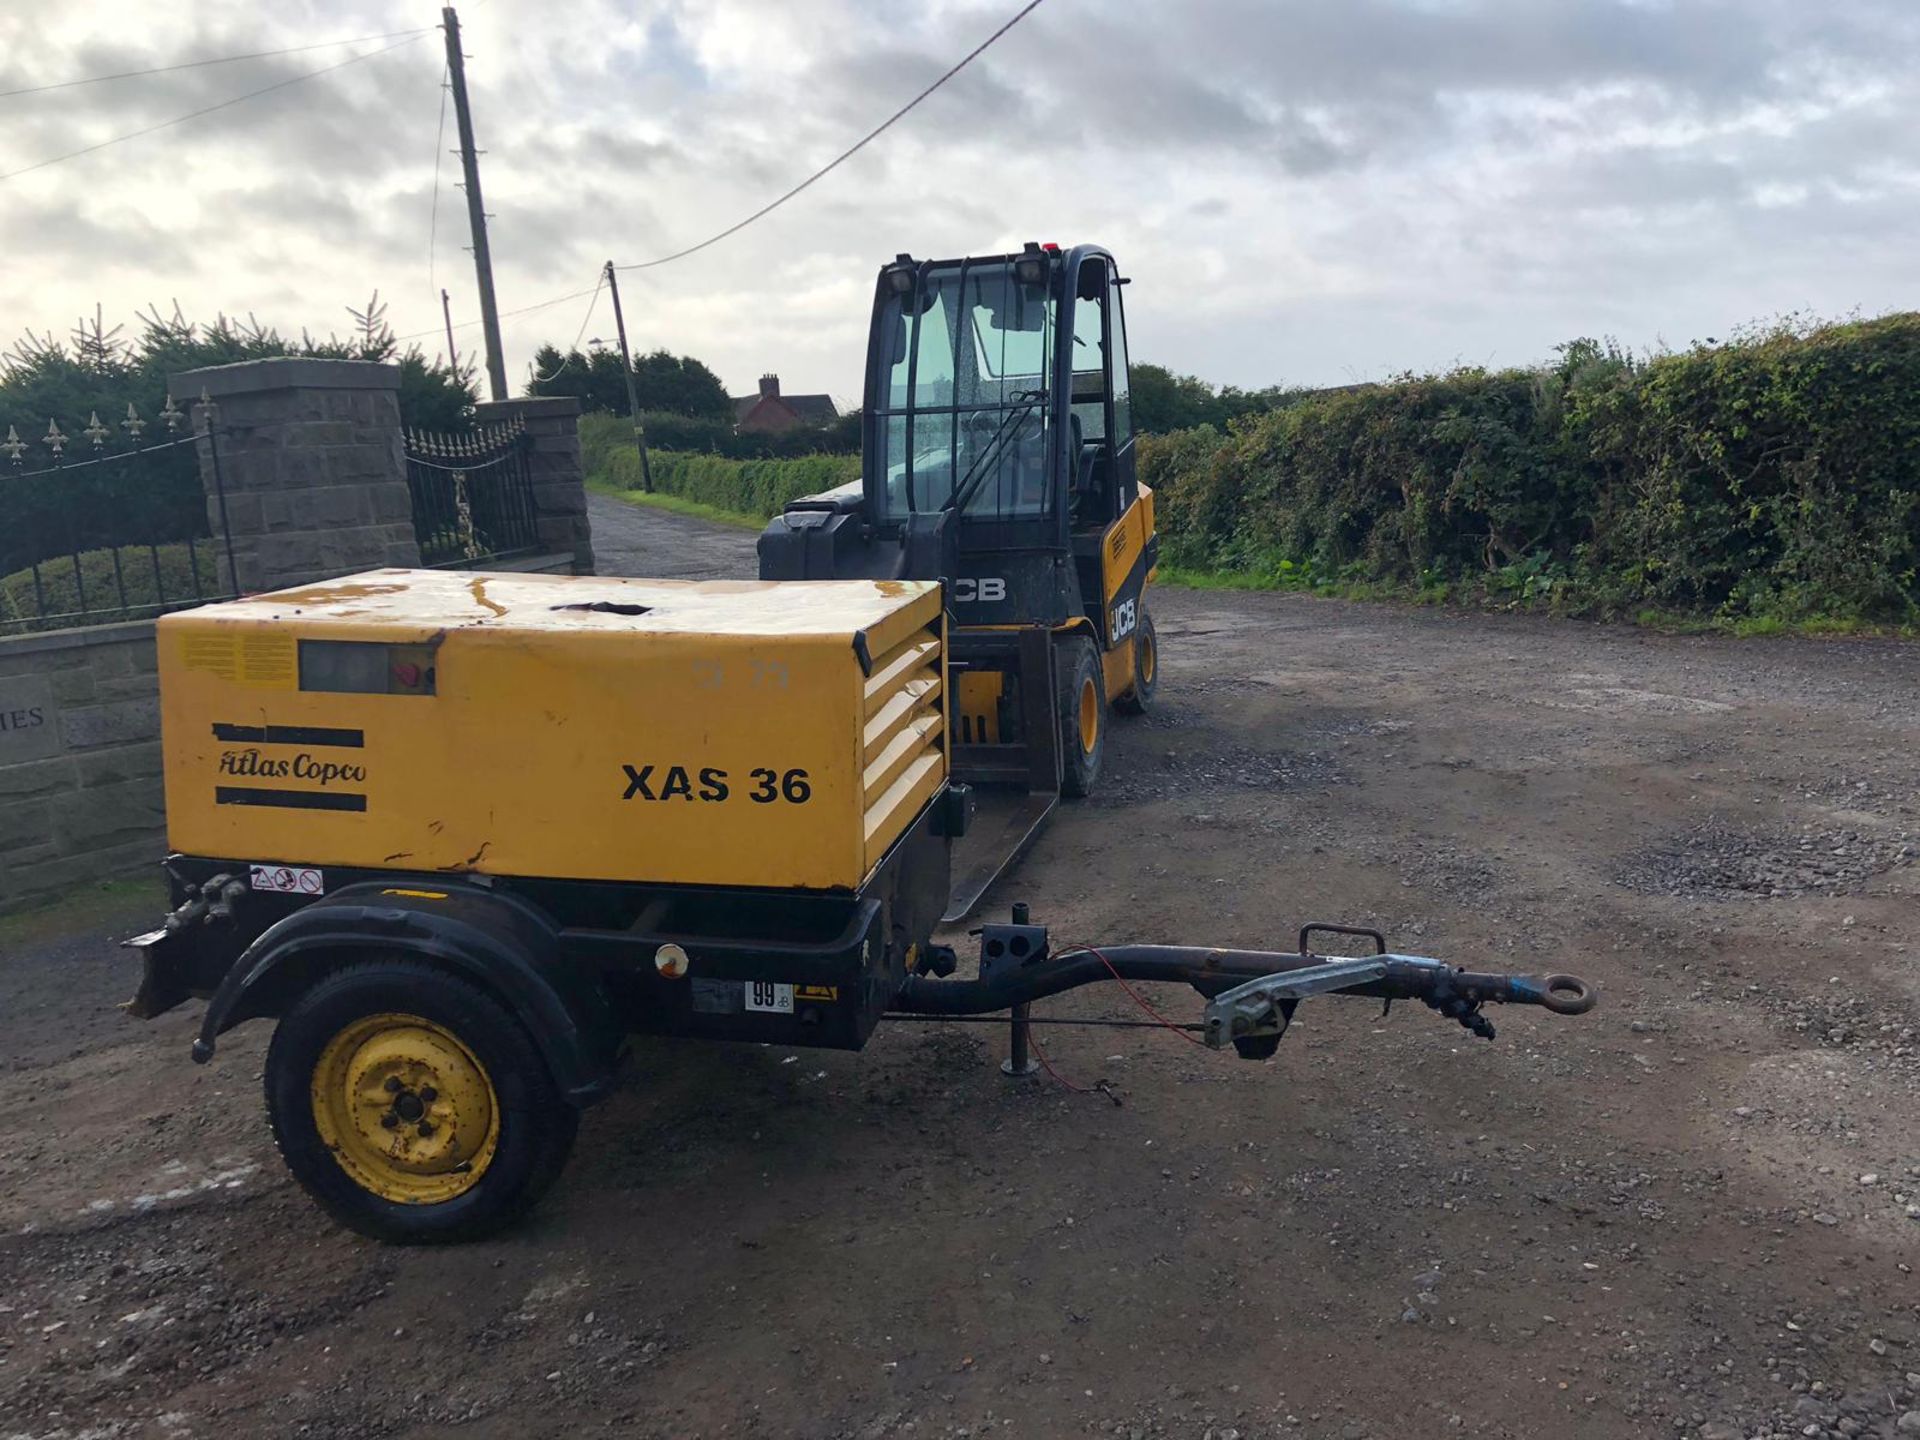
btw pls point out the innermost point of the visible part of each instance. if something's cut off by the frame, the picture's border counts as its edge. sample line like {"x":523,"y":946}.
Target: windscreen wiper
{"x":963,"y":493}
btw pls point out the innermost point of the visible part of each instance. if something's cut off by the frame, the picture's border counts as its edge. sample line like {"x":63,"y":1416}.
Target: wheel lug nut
{"x":393,"y":1084}
{"x":428,"y":1094}
{"x":389,"y":1120}
{"x":426,"y":1128}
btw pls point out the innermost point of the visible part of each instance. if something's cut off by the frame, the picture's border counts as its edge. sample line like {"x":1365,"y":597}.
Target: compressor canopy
{"x":584,"y":727}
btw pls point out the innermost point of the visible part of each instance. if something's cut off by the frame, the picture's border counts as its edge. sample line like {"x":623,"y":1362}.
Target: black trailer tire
{"x":1146,"y":667}
{"x":412,"y":1105}
{"x":1083,"y":716}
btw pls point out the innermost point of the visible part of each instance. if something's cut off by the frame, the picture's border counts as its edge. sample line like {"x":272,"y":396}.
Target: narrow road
{"x":657,"y":544}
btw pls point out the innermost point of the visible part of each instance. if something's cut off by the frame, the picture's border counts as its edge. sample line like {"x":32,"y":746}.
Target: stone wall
{"x":80,"y":793}
{"x":559,"y":479}
{"x":311,"y":479}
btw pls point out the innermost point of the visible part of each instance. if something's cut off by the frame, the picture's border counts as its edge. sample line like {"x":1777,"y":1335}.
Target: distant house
{"x":771,"y":411}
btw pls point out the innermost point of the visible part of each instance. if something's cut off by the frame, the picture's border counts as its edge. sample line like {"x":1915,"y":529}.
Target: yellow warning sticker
{"x":267,"y":658}
{"x":218,"y":655}
{"x":263,"y":658}
{"x":817,"y":994}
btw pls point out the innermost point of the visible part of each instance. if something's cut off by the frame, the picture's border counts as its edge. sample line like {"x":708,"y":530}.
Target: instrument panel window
{"x":358,"y":667}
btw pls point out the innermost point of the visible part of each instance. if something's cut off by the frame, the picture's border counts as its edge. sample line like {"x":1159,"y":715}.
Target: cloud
{"x":113,"y":242}
{"x":1303,"y":191}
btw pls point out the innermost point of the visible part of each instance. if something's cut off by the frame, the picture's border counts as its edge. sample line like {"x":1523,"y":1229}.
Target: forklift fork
{"x":1015,"y":783}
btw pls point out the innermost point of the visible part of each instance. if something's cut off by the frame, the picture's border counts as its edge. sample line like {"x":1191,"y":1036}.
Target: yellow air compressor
{"x":462,"y":834}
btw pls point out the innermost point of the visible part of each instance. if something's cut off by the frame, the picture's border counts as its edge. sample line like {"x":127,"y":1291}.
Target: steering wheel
{"x":980,"y":426}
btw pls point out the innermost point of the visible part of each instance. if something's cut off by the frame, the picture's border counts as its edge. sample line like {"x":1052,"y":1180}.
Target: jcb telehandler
{"x":998,"y":458}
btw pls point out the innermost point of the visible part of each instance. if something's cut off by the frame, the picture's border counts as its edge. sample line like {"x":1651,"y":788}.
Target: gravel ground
{"x":1693,"y":1213}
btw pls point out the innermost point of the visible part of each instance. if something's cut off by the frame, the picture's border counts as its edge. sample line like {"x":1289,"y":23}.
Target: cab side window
{"x":1122,"y":396}
{"x":1089,"y":353}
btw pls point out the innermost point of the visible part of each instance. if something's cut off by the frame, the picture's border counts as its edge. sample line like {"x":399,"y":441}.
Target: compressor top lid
{"x":440,"y":600}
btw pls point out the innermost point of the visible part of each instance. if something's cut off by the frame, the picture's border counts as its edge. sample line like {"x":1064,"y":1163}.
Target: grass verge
{"x":106,"y":904}
{"x":1667,"y":622}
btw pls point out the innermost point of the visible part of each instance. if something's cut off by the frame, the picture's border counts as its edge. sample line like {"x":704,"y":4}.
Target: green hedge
{"x":718,"y":437}
{"x":760,"y":488}
{"x":1777,"y":475}
{"x":56,"y":604}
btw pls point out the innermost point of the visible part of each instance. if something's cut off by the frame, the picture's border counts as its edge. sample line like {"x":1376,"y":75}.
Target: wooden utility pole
{"x":626,"y":368}
{"x":476,"y":207}
{"x":446,"y":312}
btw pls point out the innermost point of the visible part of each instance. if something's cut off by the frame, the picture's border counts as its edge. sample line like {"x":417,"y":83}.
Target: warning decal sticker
{"x":264,"y":658}
{"x":288,"y":880}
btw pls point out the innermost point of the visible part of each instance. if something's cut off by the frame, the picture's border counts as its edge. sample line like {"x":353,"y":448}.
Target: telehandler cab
{"x":998,"y":458}
{"x":461,"y":835}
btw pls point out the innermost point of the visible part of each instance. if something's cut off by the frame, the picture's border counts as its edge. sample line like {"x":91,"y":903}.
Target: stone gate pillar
{"x":310,"y":467}
{"x":559,"y":483}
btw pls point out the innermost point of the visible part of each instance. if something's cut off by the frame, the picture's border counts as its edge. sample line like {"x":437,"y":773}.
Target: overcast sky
{"x":1305,"y":191}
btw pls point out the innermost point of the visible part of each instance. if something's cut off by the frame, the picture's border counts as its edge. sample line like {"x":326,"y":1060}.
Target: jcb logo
{"x":1124,"y":617}
{"x":986,"y":590}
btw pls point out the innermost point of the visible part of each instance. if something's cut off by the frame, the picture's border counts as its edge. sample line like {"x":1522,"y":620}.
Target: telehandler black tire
{"x":1083,"y":716}
{"x":1146,"y":668}
{"x":412,"y":1105}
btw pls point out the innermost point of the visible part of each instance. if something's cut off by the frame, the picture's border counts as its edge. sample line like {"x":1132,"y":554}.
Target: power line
{"x":433,"y":223}
{"x":846,"y":154}
{"x":210,"y":109}
{"x":574,"y":349}
{"x":587,"y":318}
{"x":504,"y":314}
{"x":216,"y":60}
{"x":767,"y":209}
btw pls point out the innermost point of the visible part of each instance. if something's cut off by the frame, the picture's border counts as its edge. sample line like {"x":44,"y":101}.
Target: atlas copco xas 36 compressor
{"x":460,"y":835}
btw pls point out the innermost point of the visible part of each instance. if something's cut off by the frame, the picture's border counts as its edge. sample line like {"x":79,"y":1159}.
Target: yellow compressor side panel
{"x":675,"y":732}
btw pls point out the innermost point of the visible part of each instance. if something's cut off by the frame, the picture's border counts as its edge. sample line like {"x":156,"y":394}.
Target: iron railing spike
{"x":109,"y":579}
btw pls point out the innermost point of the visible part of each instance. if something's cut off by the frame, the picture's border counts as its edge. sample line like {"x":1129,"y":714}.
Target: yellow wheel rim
{"x":1089,"y":716}
{"x":406,"y":1109}
{"x":1148,"y":660}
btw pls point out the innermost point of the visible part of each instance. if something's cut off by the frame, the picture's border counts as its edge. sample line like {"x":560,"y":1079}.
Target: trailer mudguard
{"x":497,"y":941}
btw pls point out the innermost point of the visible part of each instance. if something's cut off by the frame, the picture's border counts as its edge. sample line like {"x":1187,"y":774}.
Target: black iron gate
{"x":472,"y":495}
{"x":111,"y":523}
